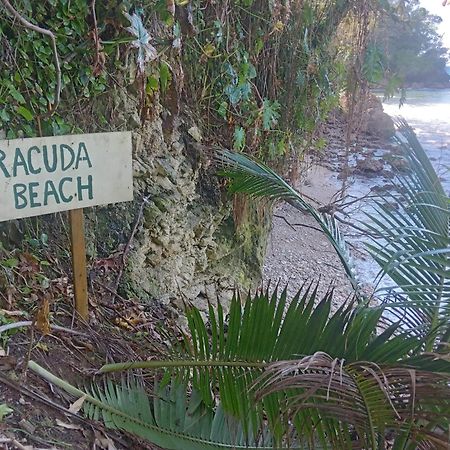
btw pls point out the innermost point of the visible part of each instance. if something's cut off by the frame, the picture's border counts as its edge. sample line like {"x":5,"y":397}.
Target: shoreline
{"x":367,"y":169}
{"x":297,"y":251}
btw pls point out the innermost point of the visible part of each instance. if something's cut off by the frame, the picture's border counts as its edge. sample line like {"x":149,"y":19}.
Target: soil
{"x":119,"y":330}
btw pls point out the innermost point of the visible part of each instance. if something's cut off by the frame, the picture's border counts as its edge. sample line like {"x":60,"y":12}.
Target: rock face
{"x":378,"y":123}
{"x":187,"y":247}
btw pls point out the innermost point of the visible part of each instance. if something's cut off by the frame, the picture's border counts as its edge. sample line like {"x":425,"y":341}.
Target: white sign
{"x":57,"y":173}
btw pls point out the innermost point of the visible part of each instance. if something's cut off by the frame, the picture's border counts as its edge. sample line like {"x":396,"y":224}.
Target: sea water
{"x":428,"y":112}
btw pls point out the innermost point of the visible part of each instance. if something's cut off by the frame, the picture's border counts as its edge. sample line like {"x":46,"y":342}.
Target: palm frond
{"x":252,"y":177}
{"x":227,"y":357}
{"x":228,"y":362}
{"x":369,"y":398}
{"x":171,"y":418}
{"x":412,"y":244}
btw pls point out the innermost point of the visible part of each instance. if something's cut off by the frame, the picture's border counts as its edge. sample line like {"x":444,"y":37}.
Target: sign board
{"x":58,"y":173}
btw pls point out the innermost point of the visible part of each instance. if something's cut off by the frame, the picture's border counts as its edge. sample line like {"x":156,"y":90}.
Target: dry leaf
{"x":103,"y":441}
{"x":76,"y":406}
{"x":7,"y":362}
{"x":13,"y":313}
{"x":42,"y":346}
{"x":42,"y":318}
{"x":67,"y":426}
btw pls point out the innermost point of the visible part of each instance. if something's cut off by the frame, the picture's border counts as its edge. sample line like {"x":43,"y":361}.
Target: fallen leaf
{"x":13,"y":313}
{"x":67,"y":426}
{"x":4,"y":410}
{"x":7,"y":362}
{"x":42,"y":318}
{"x":42,"y":346}
{"x":103,"y":441}
{"x":76,"y":406}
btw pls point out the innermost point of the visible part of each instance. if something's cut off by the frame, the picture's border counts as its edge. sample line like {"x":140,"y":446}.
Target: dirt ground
{"x":41,"y":417}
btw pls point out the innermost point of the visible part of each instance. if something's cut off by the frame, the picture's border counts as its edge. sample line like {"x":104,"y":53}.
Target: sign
{"x":58,"y":173}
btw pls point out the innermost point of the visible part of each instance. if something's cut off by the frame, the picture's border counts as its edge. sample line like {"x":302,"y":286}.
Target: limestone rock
{"x":375,"y":121}
{"x":381,"y":125}
{"x":187,"y":247}
{"x":369,"y":166}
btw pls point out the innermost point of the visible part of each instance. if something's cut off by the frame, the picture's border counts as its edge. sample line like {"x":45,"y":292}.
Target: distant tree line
{"x":408,"y":47}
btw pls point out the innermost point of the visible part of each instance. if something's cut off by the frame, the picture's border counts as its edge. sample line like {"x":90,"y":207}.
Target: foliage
{"x":4,"y":411}
{"x":412,"y":244}
{"x":311,"y":377}
{"x":409,"y":47}
{"x":28,"y":75}
{"x":252,"y":177}
{"x":170,"y":418}
{"x":268,"y":71}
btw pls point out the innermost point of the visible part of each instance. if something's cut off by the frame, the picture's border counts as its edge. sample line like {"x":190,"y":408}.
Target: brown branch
{"x":52,"y":37}
{"x":293,"y":225}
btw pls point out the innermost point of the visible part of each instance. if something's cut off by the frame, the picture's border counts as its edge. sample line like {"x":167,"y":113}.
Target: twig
{"x":293,"y":225}
{"x":52,"y":37}
{"x":128,"y":246}
{"x":30,"y":348}
{"x":98,"y":63}
{"x":29,"y":323}
{"x":14,"y":442}
{"x":352,"y":225}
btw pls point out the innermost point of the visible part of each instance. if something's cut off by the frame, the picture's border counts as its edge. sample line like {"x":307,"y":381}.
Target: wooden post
{"x":78,"y":244}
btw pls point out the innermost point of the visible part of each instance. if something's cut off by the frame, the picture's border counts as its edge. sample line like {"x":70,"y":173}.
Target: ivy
{"x":27,"y":70}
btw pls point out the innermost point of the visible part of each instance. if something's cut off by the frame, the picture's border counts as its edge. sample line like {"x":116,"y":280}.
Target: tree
{"x":410,"y":46}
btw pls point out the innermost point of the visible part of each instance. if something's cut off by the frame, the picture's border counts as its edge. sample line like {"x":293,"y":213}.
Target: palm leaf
{"x":170,"y":419}
{"x":252,"y":177}
{"x":368,"y":398}
{"x":226,"y":359}
{"x":412,"y":244}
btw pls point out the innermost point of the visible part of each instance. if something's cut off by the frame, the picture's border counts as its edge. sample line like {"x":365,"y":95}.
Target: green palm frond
{"x":412,"y":244}
{"x":228,"y":357}
{"x":227,"y":363}
{"x":170,"y":418}
{"x":252,"y":177}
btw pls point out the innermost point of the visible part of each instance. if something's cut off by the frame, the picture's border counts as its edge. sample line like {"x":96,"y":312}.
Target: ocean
{"x":428,"y":112}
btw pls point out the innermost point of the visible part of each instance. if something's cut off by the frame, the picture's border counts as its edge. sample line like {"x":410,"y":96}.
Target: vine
{"x":267,"y":71}
{"x":259,"y":75}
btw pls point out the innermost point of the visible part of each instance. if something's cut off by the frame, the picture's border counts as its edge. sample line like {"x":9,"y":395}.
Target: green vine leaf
{"x":164,"y":76}
{"x":25,"y":113}
{"x":270,"y":114}
{"x":239,"y":139}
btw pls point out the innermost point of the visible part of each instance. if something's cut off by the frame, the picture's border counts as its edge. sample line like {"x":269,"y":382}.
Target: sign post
{"x":78,"y":246}
{"x":66,"y":173}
